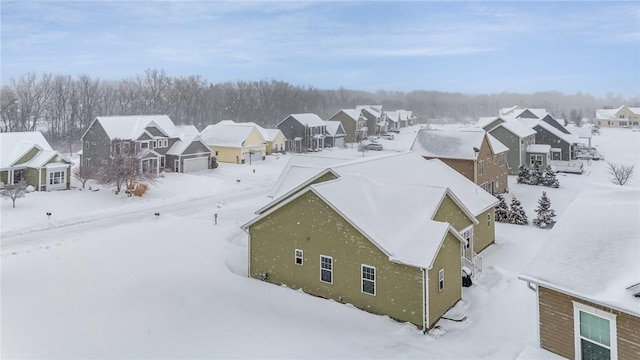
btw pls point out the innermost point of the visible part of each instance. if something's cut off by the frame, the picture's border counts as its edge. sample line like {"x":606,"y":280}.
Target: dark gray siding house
{"x":562,"y":146}
{"x":517,"y":138}
{"x":304,"y":132}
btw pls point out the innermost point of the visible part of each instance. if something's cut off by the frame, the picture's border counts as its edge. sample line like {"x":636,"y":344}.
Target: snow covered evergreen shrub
{"x":549,"y":179}
{"x":523,"y":175}
{"x":545,"y":213}
{"x":501,"y":210}
{"x":517,"y":215}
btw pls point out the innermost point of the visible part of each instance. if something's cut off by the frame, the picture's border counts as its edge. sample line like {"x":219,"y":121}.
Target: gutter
{"x":425,"y":299}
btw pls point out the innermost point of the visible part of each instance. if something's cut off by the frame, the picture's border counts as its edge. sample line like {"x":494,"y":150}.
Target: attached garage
{"x":339,"y":142}
{"x":255,"y":156}
{"x":195,"y":164}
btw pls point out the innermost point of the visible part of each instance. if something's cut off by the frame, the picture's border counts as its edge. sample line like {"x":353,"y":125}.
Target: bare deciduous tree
{"x":14,"y":191}
{"x":83,"y":174}
{"x":620,"y":174}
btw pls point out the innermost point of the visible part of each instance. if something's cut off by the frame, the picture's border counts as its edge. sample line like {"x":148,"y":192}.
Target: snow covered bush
{"x":537,"y":176}
{"x":523,"y":175}
{"x":545,"y":213}
{"x":517,"y":215}
{"x":549,"y":178}
{"x":501,"y":210}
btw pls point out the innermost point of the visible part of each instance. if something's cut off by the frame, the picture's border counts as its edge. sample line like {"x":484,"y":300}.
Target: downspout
{"x":248,"y":254}
{"x":425,"y":313}
{"x":537,"y":313}
{"x":39,"y":179}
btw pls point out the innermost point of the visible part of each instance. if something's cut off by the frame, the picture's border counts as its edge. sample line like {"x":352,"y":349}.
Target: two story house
{"x":150,"y":138}
{"x":304,"y":132}
{"x":376,"y":118}
{"x":354,"y":124}
{"x":478,"y":156}
{"x":514,"y":135}
{"x":622,"y":116}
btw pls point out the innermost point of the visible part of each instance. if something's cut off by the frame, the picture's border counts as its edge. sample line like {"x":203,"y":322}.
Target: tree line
{"x":63,"y":106}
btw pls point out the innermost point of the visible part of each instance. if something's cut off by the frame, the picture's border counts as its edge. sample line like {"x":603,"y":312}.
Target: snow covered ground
{"x":104,"y":277}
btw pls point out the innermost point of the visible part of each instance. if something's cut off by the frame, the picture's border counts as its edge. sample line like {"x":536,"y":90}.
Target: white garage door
{"x":339,"y":142}
{"x":195,"y":164}
{"x":256,"y":156}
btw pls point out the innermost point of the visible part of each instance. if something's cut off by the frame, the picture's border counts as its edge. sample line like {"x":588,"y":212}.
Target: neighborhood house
{"x":27,"y":156}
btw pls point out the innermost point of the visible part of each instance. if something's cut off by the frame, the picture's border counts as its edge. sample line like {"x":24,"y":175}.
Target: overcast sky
{"x":472,"y":47}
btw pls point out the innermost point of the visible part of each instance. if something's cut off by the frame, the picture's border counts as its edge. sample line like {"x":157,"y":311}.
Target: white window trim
{"x":481,"y":167}
{"x":577,"y":308}
{"x":296,"y":257}
{"x":470,"y":241}
{"x":330,"y":270}
{"x":440,"y":280}
{"x":375,"y":275}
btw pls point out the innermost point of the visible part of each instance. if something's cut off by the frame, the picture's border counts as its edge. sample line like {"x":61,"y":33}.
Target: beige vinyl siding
{"x":309,"y":224}
{"x":557,"y":332}
{"x":449,"y":260}
{"x":484,"y":235}
{"x":451,"y":213}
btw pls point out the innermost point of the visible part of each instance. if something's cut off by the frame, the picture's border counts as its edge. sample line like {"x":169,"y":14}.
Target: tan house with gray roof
{"x":478,"y":156}
{"x":623,"y":116}
{"x":319,"y":238}
{"x":587,"y":278}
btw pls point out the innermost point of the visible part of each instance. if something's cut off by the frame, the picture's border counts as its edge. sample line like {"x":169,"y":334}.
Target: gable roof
{"x":15,"y":145}
{"x":307,"y":119}
{"x":228,"y":133}
{"x":496,"y":146}
{"x":132,"y":126}
{"x":538,"y":113}
{"x":416,"y":204}
{"x":353,"y":114}
{"x":375,"y":110}
{"x":399,"y":168}
{"x":608,"y":114}
{"x":569,"y":138}
{"x":599,"y":261}
{"x":405,"y":114}
{"x":335,"y":128}
{"x":449,"y":144}
{"x":517,"y":129}
{"x":393,"y":115}
{"x":187,"y":135}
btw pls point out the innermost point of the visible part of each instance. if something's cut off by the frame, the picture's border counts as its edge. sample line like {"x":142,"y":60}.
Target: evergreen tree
{"x":549,"y":179}
{"x":545,"y":212}
{"x":536,"y":175}
{"x":523,"y":175}
{"x":501,"y":210}
{"x":516,"y":213}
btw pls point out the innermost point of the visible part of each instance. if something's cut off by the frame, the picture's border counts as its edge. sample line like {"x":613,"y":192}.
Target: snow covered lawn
{"x":106,"y":278}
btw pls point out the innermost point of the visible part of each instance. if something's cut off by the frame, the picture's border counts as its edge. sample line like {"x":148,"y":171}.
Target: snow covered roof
{"x":450,"y":144}
{"x":43,"y":157}
{"x":635,"y":110}
{"x":405,"y":114}
{"x":497,"y":146}
{"x":539,"y":113}
{"x":308,"y":119}
{"x":569,"y":138}
{"x":593,"y":252}
{"x":518,"y":129}
{"x":375,"y":110}
{"x":486,"y":120}
{"x":393,"y":116}
{"x":353,"y":114}
{"x":364,"y":201}
{"x":227,"y":133}
{"x":15,"y":145}
{"x":131,"y":127}
{"x":539,"y":148}
{"x":608,"y":114}
{"x":333,"y":127}
{"x":187,"y":135}
{"x":399,"y":168}
{"x":506,"y":111}
{"x":269,"y":134}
